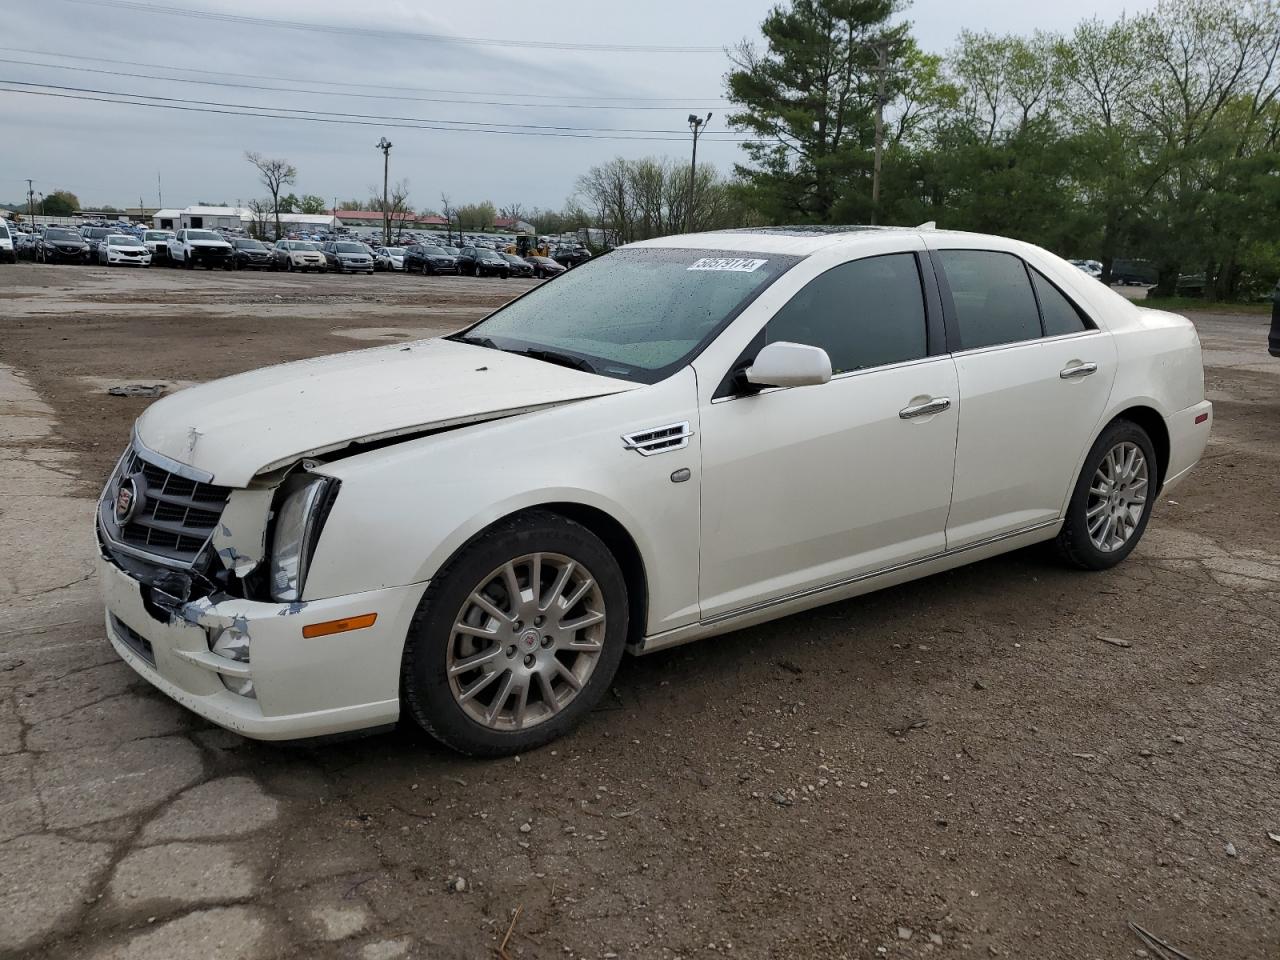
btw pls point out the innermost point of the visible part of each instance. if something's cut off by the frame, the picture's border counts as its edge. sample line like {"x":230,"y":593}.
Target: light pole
{"x":385,"y":146}
{"x":696,"y":124}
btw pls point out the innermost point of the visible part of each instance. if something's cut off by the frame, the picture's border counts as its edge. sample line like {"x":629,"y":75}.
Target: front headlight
{"x":296,"y":530}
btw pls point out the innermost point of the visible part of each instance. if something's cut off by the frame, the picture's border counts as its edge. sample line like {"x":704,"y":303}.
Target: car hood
{"x":243,"y":425}
{"x":217,"y":244}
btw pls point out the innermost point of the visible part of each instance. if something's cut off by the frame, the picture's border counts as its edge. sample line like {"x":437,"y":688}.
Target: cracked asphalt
{"x":957,"y":766}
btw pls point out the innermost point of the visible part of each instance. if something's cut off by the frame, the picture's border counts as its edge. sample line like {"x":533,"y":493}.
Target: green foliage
{"x":1155,"y":137}
{"x":60,"y":203}
{"x":313,"y":204}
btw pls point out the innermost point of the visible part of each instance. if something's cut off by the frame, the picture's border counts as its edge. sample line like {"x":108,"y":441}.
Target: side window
{"x":993,"y":299}
{"x":865,"y":313}
{"x":1061,"y":316}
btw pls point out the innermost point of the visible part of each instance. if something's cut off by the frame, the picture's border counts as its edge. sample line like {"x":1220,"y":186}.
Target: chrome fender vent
{"x":673,"y":436}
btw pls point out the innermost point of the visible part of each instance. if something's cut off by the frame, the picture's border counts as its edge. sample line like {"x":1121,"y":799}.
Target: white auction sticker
{"x":739,"y":264}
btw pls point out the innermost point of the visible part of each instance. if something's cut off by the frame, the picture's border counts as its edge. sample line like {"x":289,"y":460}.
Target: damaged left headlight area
{"x":191,"y":544}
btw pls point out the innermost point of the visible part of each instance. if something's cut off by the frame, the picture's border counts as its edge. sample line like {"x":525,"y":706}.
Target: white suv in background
{"x":685,"y":437}
{"x":203,"y":248}
{"x":7,"y":249}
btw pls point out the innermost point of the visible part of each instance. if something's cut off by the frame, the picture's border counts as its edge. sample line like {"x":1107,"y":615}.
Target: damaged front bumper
{"x":302,"y":687}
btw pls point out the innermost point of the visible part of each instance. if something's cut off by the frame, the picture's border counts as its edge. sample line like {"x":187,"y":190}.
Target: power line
{"x":439,"y":123}
{"x":324,"y":93}
{"x":345,"y":83}
{"x":347,"y":31}
{"x":267,"y":113}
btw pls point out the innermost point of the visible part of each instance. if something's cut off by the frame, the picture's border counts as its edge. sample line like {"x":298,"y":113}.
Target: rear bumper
{"x":305,"y":687}
{"x":1187,"y":440}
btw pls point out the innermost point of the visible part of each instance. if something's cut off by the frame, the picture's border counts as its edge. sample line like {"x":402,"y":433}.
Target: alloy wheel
{"x":526,"y":641}
{"x":1117,"y":496}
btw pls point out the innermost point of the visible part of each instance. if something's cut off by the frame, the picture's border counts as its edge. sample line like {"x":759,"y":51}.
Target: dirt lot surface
{"x":957,"y":766}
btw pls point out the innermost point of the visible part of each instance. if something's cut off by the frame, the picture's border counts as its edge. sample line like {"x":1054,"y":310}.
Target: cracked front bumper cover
{"x":305,"y":687}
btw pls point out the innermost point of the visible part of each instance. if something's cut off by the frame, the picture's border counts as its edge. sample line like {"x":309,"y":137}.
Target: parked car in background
{"x":545,"y":266}
{"x":61,"y":245}
{"x":1190,"y":285}
{"x":388,"y":258}
{"x":120,"y":249}
{"x":157,"y":241}
{"x":482,"y":262}
{"x":200,"y":248}
{"x":1091,"y":267}
{"x":428,"y":259}
{"x":250,"y":254}
{"x":94,"y":236}
{"x":570,"y":256}
{"x":348,"y":256}
{"x":1134,"y":273}
{"x":519,"y":266}
{"x":684,"y":428}
{"x":24,"y":244}
{"x":8,"y":250}
{"x":299,"y":255}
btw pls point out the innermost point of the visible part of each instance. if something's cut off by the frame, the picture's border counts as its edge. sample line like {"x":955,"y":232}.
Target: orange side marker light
{"x":330,"y":627}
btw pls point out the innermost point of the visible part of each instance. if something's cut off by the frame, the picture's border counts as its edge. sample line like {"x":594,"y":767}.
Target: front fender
{"x":403,"y":510}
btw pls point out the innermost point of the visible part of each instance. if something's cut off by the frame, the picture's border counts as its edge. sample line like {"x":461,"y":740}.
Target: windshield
{"x":202,"y":235}
{"x":393,"y":251}
{"x":61,"y":235}
{"x":4,"y":230}
{"x":123,"y":241}
{"x":301,"y":245}
{"x":639,"y":314}
{"x":158,"y":235}
{"x":350,"y":248}
{"x":249,"y":245}
{"x":95,"y":232}
{"x":434,"y":251}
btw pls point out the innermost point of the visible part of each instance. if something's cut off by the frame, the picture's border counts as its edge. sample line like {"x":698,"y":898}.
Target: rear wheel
{"x":1112,"y":501}
{"x":517,"y":638}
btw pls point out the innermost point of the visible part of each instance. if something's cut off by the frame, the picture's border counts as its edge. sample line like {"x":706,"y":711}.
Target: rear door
{"x":1034,"y":376}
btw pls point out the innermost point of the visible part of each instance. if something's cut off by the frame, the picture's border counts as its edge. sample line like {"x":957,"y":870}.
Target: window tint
{"x":865,"y":313}
{"x":1060,"y":314}
{"x":992,"y":296}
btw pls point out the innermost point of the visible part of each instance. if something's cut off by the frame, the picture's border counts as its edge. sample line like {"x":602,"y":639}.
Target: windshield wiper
{"x":553,"y":356}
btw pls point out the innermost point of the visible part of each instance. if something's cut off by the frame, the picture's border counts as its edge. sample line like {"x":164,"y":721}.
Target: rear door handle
{"x":936,"y":405}
{"x":1079,"y":370}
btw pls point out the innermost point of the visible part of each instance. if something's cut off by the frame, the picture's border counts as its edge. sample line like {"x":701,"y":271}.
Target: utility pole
{"x":696,"y":124}
{"x":159,"y":191}
{"x":882,"y":74}
{"x":385,"y":146}
{"x":31,"y":204}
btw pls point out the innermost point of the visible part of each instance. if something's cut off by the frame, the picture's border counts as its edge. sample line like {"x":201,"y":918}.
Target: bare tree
{"x":398,"y":208}
{"x":274,"y":172}
{"x":261,"y":210}
{"x":513,"y":212}
{"x":449,"y":211}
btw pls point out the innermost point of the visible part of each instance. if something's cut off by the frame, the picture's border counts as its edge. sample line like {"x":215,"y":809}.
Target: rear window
{"x":1061,"y":316}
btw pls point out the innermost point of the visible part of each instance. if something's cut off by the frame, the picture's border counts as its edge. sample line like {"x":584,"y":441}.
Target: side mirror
{"x":784,"y":364}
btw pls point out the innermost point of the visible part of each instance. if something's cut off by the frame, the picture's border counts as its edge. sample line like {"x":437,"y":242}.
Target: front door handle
{"x":1079,"y":370}
{"x":936,"y":405}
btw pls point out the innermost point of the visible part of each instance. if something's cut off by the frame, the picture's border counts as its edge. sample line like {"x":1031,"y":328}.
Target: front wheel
{"x":1112,"y":501}
{"x":517,"y":638}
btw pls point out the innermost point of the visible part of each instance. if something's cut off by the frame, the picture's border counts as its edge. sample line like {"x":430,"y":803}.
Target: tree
{"x":397,"y":209}
{"x":60,"y":203}
{"x":639,"y":199}
{"x":261,"y":210}
{"x":274,"y":173}
{"x":476,"y":216}
{"x":449,"y":211}
{"x":810,"y":98}
{"x":313,"y":204}
{"x":513,"y":212}
{"x":351,"y":205}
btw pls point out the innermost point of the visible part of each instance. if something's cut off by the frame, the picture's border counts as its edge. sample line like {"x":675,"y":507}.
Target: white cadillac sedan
{"x":681,"y":438}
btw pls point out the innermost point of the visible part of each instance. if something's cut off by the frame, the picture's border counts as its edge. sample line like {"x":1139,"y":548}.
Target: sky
{"x":376,"y":59}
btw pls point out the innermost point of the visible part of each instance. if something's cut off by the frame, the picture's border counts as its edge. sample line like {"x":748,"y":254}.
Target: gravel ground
{"x":957,"y":766}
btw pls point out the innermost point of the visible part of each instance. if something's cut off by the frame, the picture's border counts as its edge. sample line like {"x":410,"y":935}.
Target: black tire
{"x":426,"y":269}
{"x":288,"y":265}
{"x":423,"y":676}
{"x":1074,"y":544}
{"x":504,"y":274}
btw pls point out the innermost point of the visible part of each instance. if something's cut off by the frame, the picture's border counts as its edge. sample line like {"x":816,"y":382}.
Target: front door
{"x":807,"y":486}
